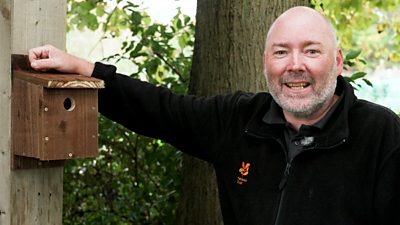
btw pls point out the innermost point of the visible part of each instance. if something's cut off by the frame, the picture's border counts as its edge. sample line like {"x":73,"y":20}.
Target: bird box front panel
{"x":69,"y":124}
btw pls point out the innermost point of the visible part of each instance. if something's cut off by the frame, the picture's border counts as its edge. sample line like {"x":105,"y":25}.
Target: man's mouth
{"x":299,"y":85}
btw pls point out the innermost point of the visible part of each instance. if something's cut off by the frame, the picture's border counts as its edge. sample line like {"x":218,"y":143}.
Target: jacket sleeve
{"x":192,"y":124}
{"x":387,"y":190}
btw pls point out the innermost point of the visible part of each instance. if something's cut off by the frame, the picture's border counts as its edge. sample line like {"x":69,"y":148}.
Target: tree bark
{"x":229,"y":44}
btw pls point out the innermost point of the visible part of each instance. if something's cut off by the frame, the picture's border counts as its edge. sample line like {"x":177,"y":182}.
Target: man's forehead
{"x":305,"y":22}
{"x":300,"y":33}
{"x":287,"y":44}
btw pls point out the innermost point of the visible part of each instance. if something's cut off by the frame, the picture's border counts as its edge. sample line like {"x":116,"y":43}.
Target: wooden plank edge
{"x":22,"y":162}
{"x":52,"y":79}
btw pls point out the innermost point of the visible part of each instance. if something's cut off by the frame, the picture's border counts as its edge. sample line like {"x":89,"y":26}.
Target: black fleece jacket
{"x":349,"y":175}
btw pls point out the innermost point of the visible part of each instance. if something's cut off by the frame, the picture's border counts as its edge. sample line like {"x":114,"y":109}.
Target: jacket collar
{"x":335,"y":132}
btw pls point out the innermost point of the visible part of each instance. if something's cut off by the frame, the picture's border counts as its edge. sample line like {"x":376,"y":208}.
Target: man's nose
{"x":296,"y":63}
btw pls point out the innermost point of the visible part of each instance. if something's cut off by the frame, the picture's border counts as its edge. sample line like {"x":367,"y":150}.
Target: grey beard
{"x":305,"y":113}
{"x":318,"y":101}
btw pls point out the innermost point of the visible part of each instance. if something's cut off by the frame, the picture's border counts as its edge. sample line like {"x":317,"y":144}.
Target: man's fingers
{"x":43,"y":64}
{"x":38,"y":53}
{"x":43,"y":58}
{"x":42,"y":52}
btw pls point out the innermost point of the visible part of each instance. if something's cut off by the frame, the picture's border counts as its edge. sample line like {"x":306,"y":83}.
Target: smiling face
{"x":301,"y":62}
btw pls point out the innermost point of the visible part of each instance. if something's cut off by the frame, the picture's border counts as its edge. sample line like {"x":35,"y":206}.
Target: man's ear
{"x":339,"y":61}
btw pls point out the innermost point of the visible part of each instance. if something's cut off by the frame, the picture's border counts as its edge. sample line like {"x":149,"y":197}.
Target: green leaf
{"x":187,"y":20}
{"x":137,"y":48}
{"x":181,"y":41}
{"x":349,"y":63}
{"x":179,"y":24}
{"x":357,"y":75}
{"x":151,"y":30}
{"x":368,"y":82}
{"x":363,"y":61}
{"x":146,"y":20}
{"x":100,"y":11}
{"x":151,"y":66}
{"x":136,"y":18}
{"x":353,"y":54}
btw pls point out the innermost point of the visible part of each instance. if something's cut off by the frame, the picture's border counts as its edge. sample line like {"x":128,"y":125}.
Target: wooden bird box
{"x":54,"y":116}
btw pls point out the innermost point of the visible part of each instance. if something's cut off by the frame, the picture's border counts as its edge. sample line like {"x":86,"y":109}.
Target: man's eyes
{"x":312,"y":51}
{"x":280,"y":53}
{"x":309,"y":52}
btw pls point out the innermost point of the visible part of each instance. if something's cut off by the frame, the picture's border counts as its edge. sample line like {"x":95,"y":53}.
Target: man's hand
{"x":48,"y":57}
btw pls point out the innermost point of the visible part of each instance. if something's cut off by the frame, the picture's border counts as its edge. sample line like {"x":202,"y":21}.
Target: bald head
{"x":306,"y":19}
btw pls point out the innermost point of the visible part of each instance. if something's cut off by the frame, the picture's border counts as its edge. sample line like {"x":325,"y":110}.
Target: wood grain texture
{"x":26,"y":118}
{"x":24,"y":163}
{"x":51,"y":80}
{"x":36,"y":197}
{"x":5,"y":112}
{"x":38,"y":22}
{"x":32,"y":196}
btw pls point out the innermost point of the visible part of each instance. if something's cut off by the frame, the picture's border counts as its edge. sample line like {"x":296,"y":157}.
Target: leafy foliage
{"x":135,"y":179}
{"x":350,"y":59}
{"x":372,"y":26}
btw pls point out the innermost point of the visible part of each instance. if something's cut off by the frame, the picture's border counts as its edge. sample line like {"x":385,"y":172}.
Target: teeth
{"x":297,"y":85}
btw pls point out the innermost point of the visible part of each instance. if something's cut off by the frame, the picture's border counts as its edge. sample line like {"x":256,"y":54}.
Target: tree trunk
{"x":230,"y":37}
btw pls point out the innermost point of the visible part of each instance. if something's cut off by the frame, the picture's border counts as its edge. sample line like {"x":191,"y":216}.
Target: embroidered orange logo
{"x":244,"y":171}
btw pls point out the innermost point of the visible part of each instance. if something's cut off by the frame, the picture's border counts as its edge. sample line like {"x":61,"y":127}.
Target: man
{"x":307,"y":153}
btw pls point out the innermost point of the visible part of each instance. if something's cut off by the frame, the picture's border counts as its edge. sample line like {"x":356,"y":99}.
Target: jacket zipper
{"x":282,"y":189}
{"x":285,"y":177}
{"x":286,"y":172}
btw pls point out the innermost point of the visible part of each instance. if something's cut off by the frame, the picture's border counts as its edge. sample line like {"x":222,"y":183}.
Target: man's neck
{"x":296,"y":122}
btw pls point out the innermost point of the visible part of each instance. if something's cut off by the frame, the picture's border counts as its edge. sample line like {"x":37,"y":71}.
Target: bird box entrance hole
{"x":69,"y":104}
